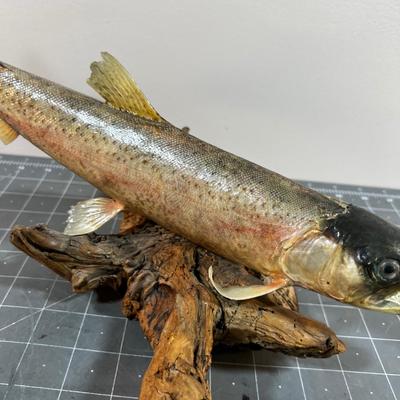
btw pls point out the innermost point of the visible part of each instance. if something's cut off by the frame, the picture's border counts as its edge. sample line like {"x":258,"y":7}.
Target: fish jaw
{"x":385,"y":300}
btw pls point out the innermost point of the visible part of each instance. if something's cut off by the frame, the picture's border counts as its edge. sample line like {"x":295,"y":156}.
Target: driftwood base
{"x":165,"y":286}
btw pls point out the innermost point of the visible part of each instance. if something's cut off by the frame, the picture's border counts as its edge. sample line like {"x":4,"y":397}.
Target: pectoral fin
{"x":247,"y":292}
{"x":7,"y":134}
{"x":114,"y":83}
{"x":87,"y":216}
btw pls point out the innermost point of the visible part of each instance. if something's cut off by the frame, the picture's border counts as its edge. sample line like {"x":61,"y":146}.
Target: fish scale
{"x":214,"y":198}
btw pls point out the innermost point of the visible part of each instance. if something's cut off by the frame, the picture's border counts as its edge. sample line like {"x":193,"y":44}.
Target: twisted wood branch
{"x":165,"y":284}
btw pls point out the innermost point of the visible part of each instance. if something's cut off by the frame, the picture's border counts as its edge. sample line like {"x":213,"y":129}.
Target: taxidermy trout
{"x":290,"y":234}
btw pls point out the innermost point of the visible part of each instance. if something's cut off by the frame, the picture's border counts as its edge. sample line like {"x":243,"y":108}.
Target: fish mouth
{"x":384,"y":300}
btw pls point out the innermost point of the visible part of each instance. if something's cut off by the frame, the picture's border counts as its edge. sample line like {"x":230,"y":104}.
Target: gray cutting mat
{"x":58,"y":345}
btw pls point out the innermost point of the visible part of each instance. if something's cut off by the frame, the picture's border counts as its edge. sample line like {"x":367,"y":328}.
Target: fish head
{"x":354,"y":258}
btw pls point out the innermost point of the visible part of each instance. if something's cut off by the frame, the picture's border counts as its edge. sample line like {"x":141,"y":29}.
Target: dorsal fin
{"x":114,"y":83}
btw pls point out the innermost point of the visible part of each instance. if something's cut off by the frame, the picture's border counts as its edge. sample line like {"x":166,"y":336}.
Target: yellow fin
{"x":113,"y":82}
{"x":247,"y":292}
{"x":7,"y":134}
{"x":89,"y":215}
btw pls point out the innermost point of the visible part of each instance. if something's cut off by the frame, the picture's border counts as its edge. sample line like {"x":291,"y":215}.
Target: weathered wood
{"x":166,"y":287}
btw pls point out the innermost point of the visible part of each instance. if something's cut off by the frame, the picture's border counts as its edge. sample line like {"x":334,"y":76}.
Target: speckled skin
{"x":229,"y":205}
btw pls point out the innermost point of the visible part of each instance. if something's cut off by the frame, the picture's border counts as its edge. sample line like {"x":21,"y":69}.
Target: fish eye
{"x":388,"y":270}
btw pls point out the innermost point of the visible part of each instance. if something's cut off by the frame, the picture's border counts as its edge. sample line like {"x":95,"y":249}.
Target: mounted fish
{"x":149,"y":168}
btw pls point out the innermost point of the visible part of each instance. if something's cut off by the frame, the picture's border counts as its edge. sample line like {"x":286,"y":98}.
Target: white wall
{"x":307,"y":88}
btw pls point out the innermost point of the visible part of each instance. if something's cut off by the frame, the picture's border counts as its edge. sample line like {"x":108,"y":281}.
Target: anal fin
{"x":89,"y":215}
{"x":7,"y":133}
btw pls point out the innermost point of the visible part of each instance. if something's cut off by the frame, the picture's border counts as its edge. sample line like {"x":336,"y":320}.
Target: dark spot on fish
{"x":73,"y":119}
{"x":143,"y":161}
